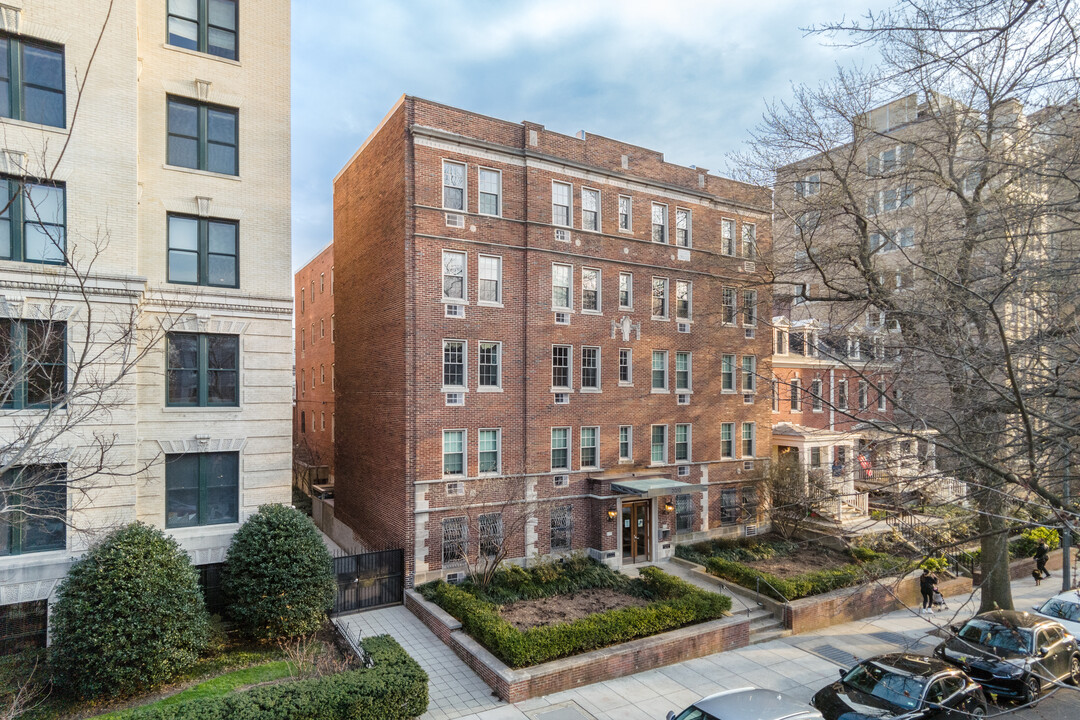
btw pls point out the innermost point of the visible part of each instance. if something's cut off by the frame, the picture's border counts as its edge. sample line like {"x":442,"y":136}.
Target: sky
{"x":689,"y":78}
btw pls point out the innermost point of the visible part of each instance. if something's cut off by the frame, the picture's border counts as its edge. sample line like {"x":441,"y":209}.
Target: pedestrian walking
{"x":927,"y":585}
{"x":1042,"y":554}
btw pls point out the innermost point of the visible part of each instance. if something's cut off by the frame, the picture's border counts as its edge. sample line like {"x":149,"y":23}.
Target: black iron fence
{"x":369,"y":580}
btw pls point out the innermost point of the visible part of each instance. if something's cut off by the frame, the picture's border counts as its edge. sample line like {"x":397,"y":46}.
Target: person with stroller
{"x":927,"y":586}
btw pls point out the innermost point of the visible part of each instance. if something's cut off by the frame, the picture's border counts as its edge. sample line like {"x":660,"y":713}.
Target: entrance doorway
{"x":637,"y":531}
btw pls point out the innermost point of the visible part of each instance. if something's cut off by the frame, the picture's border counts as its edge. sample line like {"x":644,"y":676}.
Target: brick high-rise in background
{"x":547,"y":343}
{"x":313,"y":414}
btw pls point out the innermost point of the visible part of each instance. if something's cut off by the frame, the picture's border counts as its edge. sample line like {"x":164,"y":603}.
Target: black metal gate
{"x":369,"y":580}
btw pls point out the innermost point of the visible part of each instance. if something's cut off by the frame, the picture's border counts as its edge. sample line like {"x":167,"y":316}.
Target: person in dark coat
{"x":926,"y":586}
{"x":1042,"y":554}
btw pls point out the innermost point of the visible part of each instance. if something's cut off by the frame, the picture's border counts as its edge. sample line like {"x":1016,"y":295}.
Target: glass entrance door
{"x":636,"y":531}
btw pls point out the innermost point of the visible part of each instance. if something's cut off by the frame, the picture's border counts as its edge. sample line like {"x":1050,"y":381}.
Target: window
{"x":799,"y":295}
{"x":490,"y":365}
{"x":203,"y":251}
{"x":490,"y":282}
{"x":774,"y":393}
{"x":588,"y":446}
{"x":490,"y":192}
{"x":808,"y":186}
{"x":332,"y":332}
{"x":682,"y":443}
{"x":796,"y":396}
{"x":748,"y":437}
{"x":322,"y":374}
{"x":453,"y":192}
{"x":659,"y":370}
{"x":207,"y":26}
{"x":590,"y":368}
{"x":203,"y":370}
{"x":32,"y":81}
{"x":453,"y":269}
{"x":815,"y":392}
{"x":33,"y":228}
{"x":35,"y":354}
{"x":749,"y":241}
{"x":562,"y":527}
{"x":560,"y":444}
{"x":590,"y":290}
{"x":625,"y":213}
{"x":682,"y":227}
{"x":590,"y":209}
{"x":322,"y":327}
{"x":202,"y":489}
{"x":683,"y":371}
{"x":684,"y":513}
{"x":658,"y":452}
{"x":490,"y":451}
{"x":906,"y":237}
{"x":729,"y":506}
{"x":490,"y":526}
{"x":560,"y":366}
{"x":749,"y":307}
{"x":727,"y":440}
{"x":727,"y":373}
{"x":749,"y":373}
{"x":659,"y":223}
{"x":841,"y":395}
{"x":626,"y":443}
{"x":780,"y":346}
{"x":626,"y":291}
{"x":454,"y":364}
{"x":881,"y":401}
{"x":202,"y":136}
{"x":864,"y":395}
{"x":303,"y":304}
{"x":727,"y":237}
{"x":455,"y":541}
{"x":660,"y":298}
{"x":683,"y":300}
{"x":626,"y":368}
{"x":730,"y":306}
{"x":750,"y":503}
{"x":561,"y":286}
{"x":322,"y":421}
{"x":453,"y":444}
{"x":303,"y":383}
{"x":560,"y":203}
{"x":34,"y":499}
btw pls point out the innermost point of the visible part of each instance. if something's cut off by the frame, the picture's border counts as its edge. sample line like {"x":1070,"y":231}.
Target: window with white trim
{"x":562,"y":284}
{"x":626,"y":443}
{"x":796,"y":395}
{"x":590,"y":290}
{"x":808,"y":186}
{"x":626,"y":367}
{"x":749,"y":436}
{"x":730,"y":306}
{"x":589,"y":455}
{"x":749,"y":373}
{"x":881,"y":399}
{"x":489,"y":286}
{"x":780,"y":342}
{"x":560,"y":366}
{"x":659,"y":223}
{"x":453,"y":185}
{"x":626,"y":291}
{"x":749,"y":308}
{"x":727,"y":373}
{"x":658,"y":452}
{"x":490,"y":365}
{"x":659,"y":370}
{"x":815,"y":392}
{"x":682,"y":227}
{"x":490,"y":192}
{"x":775,"y":393}
{"x":453,"y":269}
{"x":453,"y":452}
{"x":560,"y":203}
{"x":864,"y":395}
{"x":683,"y":300}
{"x":590,"y":209}
{"x":683,"y":369}
{"x":682,"y":442}
{"x":841,"y":394}
{"x":590,"y":368}
{"x":727,"y":237}
{"x":660,"y":298}
{"x":749,"y":241}
{"x":727,"y":441}
{"x":560,"y":445}
{"x":453,"y":365}
{"x":625,"y":213}
{"x":489,"y":451}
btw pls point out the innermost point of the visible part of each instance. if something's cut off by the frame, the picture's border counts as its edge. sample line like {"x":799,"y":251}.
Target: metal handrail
{"x":760,"y":580}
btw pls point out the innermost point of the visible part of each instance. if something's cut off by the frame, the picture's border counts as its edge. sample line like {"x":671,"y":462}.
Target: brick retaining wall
{"x":603,"y":664}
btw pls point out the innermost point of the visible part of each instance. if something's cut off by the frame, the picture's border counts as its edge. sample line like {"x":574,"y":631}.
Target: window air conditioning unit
{"x":455,"y":399}
{"x":455,"y":577}
{"x":455,"y":311}
{"x":683,"y":470}
{"x":748,"y":398}
{"x":683,"y":399}
{"x":749,"y":266}
{"x":750,"y":531}
{"x":455,"y":488}
{"x":562,"y":318}
{"x":562,"y":481}
{"x":748,"y":465}
{"x":684,"y":327}
{"x":562,"y":398}
{"x":562,"y":235}
{"x":749,"y":333}
{"x":454,"y":220}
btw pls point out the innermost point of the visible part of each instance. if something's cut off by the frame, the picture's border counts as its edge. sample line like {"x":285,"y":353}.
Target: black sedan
{"x":901,"y":685}
{"x":1013,"y":655}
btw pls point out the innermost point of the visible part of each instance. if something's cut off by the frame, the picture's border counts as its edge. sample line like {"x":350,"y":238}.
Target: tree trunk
{"x":996,"y":588}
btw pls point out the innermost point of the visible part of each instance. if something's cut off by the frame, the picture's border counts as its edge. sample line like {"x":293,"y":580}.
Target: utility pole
{"x":1066,"y":533}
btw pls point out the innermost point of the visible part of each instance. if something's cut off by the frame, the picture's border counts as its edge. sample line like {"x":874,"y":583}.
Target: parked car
{"x":901,"y":685}
{"x":1013,"y":655}
{"x":1065,"y":609}
{"x":747,"y":704}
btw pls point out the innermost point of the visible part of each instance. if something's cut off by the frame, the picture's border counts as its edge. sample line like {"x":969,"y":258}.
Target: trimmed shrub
{"x":806,"y":584}
{"x":677,"y":604}
{"x":394,"y":688}
{"x":560,"y":577}
{"x":278,"y":576}
{"x":129,"y":616}
{"x":1028,"y":542}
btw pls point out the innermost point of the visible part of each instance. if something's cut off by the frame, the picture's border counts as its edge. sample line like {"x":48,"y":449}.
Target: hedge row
{"x":560,"y":577}
{"x":394,"y":688}
{"x":806,"y":584}
{"x":677,"y":604}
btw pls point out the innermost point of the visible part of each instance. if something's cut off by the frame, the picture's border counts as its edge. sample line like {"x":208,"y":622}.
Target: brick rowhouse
{"x":313,"y":413}
{"x":550,"y":344}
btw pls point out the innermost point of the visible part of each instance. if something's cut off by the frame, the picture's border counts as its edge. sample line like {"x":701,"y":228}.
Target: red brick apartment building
{"x":313,"y":412}
{"x":552,"y":344}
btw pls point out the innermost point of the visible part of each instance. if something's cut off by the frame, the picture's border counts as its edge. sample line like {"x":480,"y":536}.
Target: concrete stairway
{"x":764,"y":626}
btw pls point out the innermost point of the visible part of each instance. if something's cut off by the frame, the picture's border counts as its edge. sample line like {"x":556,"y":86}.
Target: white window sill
{"x":463,"y":211}
{"x":623,"y":308}
{"x":658,"y":391}
{"x":686,"y":321}
{"x":454,"y":389}
{"x":485,"y":389}
{"x":626,"y":384}
{"x":205,"y":56}
{"x":663,"y":319}
{"x":590,"y":468}
{"x":204,"y":173}
{"x":560,"y":471}
{"x":818,"y":411}
{"x":199,"y":531}
{"x":627,"y":231}
{"x":485,"y":303}
{"x":592,"y":312}
{"x":728,"y":392}
{"x":658,"y":464}
{"x":591,"y":390}
{"x":562,"y":310}
{"x":452,"y":301}
{"x":453,"y":478}
{"x":562,"y":390}
{"x":681,"y":391}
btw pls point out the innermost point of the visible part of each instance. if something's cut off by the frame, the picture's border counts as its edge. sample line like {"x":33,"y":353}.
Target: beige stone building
{"x":145,"y":292}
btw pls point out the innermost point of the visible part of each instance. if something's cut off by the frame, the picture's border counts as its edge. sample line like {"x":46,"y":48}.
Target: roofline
{"x":371,"y":136}
{"x":311,"y":259}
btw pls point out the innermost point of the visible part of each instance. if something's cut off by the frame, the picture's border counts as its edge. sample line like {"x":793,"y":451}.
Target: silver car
{"x":748,"y":704}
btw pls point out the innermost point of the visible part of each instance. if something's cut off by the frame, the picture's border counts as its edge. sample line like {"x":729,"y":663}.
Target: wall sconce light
{"x":668,"y":507}
{"x":611,"y":515}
